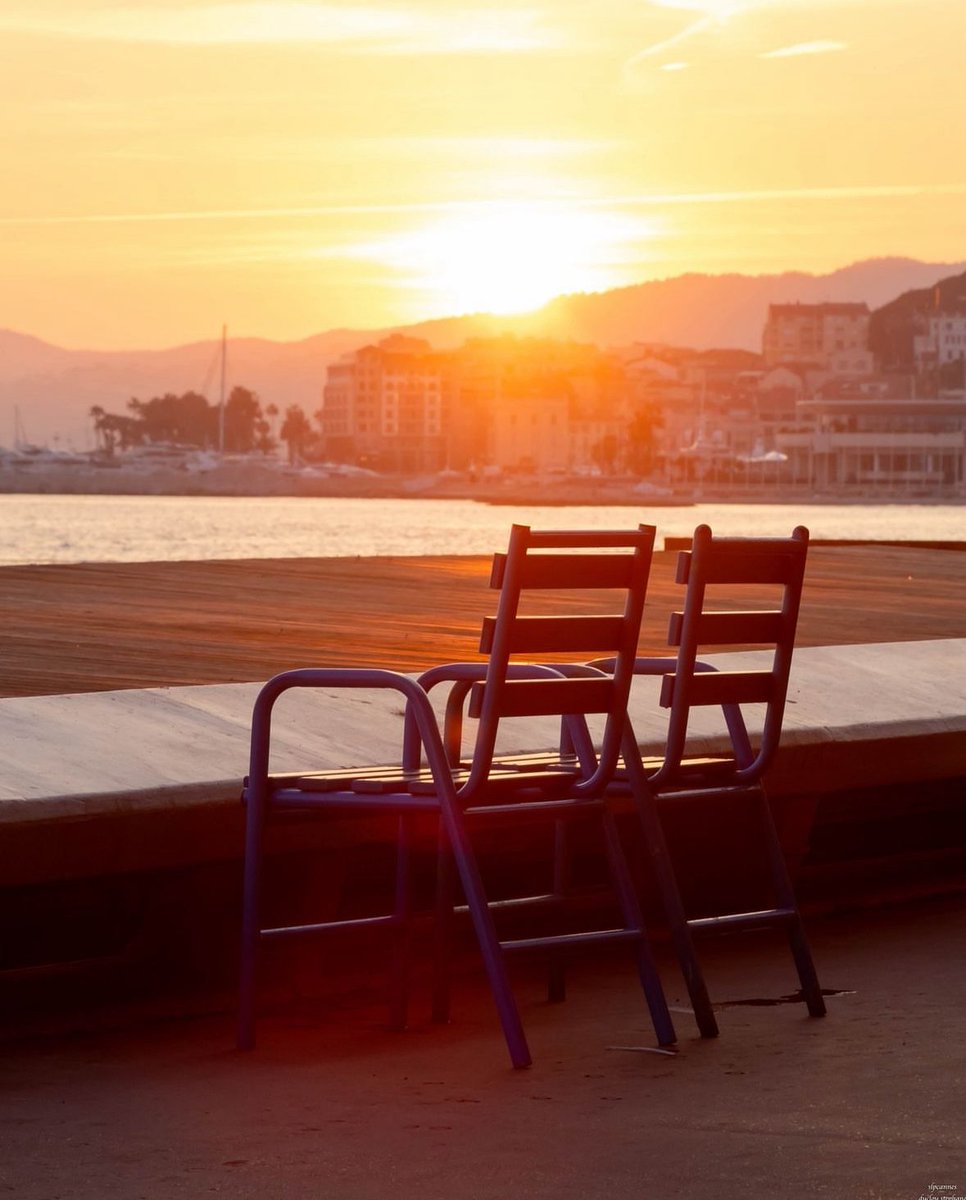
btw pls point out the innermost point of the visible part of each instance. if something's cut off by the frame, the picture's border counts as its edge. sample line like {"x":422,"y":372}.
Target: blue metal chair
{"x":485,"y":790}
{"x":679,"y":778}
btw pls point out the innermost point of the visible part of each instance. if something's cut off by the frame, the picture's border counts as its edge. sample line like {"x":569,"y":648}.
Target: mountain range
{"x":52,"y":389}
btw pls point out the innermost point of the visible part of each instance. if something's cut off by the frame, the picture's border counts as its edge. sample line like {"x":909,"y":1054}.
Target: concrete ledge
{"x":117,"y":782}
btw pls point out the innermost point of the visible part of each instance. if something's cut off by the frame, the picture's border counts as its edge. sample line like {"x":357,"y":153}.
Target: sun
{"x":509,"y":257}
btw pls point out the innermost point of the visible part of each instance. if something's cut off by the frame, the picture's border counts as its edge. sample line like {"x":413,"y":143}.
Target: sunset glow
{"x":288,"y":167}
{"x":509,"y":257}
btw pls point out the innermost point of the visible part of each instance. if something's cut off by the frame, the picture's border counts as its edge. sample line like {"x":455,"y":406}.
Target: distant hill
{"x":55,"y":388}
{"x":730,"y":310}
{"x":892,"y":327}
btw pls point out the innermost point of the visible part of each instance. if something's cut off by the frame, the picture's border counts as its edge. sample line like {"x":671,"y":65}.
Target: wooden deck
{"x":95,"y":627}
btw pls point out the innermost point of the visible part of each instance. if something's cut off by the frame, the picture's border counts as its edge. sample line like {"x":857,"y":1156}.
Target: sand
{"x":95,"y":627}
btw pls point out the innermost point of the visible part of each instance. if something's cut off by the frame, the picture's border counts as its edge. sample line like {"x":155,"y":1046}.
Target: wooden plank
{"x":548,"y":697}
{"x":731,"y":561}
{"x":730,"y":628}
{"x":91,"y":627}
{"x":568,"y":571}
{"x":549,"y":635}
{"x":722,"y":687}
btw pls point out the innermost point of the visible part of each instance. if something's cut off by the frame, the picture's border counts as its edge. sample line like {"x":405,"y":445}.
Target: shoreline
{"x":254,"y":480}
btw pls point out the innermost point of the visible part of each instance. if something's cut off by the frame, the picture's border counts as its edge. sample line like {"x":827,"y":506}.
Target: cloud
{"x":720,"y":9}
{"x":711,"y":15}
{"x":442,"y":207}
{"x":358,"y":27}
{"x":669,"y":43}
{"x":801,"y":48}
{"x":714,"y":13}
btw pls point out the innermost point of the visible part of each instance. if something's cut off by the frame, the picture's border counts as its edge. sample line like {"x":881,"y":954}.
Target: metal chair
{"x":484,"y":790}
{"x":678,"y":779}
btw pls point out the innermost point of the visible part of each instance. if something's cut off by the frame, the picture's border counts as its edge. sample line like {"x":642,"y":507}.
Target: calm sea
{"x":67,"y":529}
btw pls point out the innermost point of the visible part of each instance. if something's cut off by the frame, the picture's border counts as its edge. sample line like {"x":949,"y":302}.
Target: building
{"x":940,"y":341}
{"x":513,"y":404}
{"x":385,"y":406}
{"x":868,"y":444}
{"x":834,"y":337}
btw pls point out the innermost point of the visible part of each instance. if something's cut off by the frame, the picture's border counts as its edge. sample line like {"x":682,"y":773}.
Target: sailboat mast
{"x":221,"y":391}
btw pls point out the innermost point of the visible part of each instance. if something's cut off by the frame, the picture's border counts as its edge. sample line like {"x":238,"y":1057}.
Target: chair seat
{"x":707,"y":770}
{"x":547,"y":774}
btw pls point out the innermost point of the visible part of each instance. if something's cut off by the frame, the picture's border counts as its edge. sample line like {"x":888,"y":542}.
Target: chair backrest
{"x":570,"y":562}
{"x":779,"y":564}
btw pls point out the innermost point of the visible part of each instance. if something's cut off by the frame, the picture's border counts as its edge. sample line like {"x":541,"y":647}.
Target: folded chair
{"x":679,"y":778}
{"x":484,"y":790}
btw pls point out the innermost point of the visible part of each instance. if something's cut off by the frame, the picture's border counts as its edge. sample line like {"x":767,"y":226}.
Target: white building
{"x":943,"y":340}
{"x":881,"y":445}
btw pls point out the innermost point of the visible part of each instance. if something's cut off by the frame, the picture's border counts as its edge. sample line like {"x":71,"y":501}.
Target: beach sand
{"x":103,"y":626}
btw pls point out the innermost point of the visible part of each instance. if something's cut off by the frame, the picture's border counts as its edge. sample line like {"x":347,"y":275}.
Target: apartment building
{"x":526,"y":405}
{"x":832,"y":336}
{"x":385,"y":406}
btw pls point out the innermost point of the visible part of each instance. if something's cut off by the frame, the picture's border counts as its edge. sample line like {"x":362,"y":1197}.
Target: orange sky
{"x":287,"y":168}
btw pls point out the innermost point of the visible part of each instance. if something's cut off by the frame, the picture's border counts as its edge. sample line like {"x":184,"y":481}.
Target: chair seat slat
{"x":508,"y":780}
{"x":343,"y":778}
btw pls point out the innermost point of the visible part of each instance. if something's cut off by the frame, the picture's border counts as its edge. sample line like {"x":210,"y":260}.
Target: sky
{"x":287,"y":168}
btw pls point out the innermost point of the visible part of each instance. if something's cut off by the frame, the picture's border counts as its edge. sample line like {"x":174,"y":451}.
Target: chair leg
{"x":402,"y":944}
{"x":634,"y":919}
{"x":670,"y":895}
{"x":785,"y":895}
{"x":493,"y":957}
{"x":251,"y":904}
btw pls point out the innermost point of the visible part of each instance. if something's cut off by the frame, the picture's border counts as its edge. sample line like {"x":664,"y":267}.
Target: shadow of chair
{"x":486,"y":790}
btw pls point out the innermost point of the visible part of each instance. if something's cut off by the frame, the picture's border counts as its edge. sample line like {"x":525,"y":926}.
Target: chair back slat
{"x":719,"y":687}
{"x":549,"y":635}
{"x":547,"y":697}
{"x":567,"y":571}
{"x":573,"y":562}
{"x":779,"y":562}
{"x":738,"y":561}
{"x":729,"y":628}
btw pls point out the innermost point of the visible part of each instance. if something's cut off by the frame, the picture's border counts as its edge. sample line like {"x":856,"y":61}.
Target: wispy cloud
{"x":648,"y":200}
{"x":720,"y":9}
{"x":714,"y":15}
{"x":351,"y":26}
{"x":800,"y":48}
{"x":668,"y":43}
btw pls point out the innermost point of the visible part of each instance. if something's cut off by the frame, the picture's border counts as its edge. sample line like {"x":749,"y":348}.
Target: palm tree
{"x":295,"y":432}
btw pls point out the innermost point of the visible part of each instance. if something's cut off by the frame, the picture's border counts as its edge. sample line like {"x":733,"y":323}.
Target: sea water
{"x":70,"y":529}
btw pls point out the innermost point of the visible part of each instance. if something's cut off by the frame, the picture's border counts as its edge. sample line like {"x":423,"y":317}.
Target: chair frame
{"x":489,"y":789}
{"x":676,"y":779}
